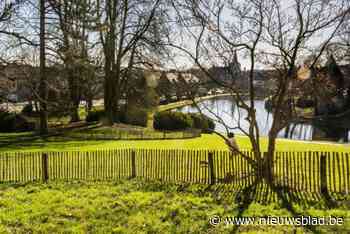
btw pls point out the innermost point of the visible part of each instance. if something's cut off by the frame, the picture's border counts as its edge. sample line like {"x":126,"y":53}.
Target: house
{"x":14,"y":81}
{"x":328,"y":86}
{"x":177,"y":84}
{"x":329,"y":89}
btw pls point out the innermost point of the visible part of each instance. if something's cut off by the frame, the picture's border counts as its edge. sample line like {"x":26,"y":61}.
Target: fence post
{"x":133,"y":164}
{"x":323,"y":174}
{"x":45,"y":166}
{"x":211,"y":168}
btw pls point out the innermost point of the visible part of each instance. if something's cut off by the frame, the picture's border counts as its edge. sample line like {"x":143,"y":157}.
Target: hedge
{"x":168,"y":120}
{"x":95,"y":115}
{"x":136,"y":116}
{"x":202,"y":122}
{"x":27,"y":109}
{"x":11,"y":122}
{"x":132,"y":116}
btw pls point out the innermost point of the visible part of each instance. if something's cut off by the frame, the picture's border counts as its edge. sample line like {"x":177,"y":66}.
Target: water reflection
{"x":227,"y":110}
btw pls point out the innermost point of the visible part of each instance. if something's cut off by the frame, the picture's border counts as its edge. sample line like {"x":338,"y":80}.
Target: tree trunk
{"x":269,"y":157}
{"x":74,"y":96}
{"x":109,"y":51}
{"x":43,"y":79}
{"x":36,"y":107}
{"x":346,"y":136}
{"x":89,"y":105}
{"x":108,"y":97}
{"x":286,"y":133}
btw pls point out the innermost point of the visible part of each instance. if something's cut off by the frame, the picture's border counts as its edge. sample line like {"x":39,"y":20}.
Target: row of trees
{"x":85,"y":39}
{"x":117,"y":36}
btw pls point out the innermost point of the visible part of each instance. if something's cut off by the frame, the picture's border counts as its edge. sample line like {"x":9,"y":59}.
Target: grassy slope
{"x":135,"y":207}
{"x":210,"y":142}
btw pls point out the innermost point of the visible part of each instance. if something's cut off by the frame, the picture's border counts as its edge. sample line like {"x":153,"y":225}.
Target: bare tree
{"x":292,"y":38}
{"x":123,"y":26}
{"x":43,"y":78}
{"x":341,"y":47}
{"x":267,"y":33}
{"x":73,"y":22}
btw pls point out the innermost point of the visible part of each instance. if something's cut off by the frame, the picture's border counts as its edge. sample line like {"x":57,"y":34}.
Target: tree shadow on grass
{"x":9,"y":142}
{"x":25,"y":139}
{"x":287,"y":198}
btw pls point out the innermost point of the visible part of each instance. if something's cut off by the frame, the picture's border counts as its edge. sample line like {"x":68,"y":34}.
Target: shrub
{"x":22,"y":124}
{"x":169,"y":120}
{"x":305,"y":103}
{"x":94,"y":116}
{"x":202,"y":122}
{"x":27,"y":109}
{"x":10,"y":122}
{"x":122,"y":114}
{"x":7,"y":121}
{"x":211,"y":125}
{"x":136,"y":116}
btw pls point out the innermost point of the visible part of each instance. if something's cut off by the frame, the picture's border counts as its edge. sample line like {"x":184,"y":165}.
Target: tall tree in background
{"x":43,"y":78}
{"x":73,"y":20}
{"x":123,"y":24}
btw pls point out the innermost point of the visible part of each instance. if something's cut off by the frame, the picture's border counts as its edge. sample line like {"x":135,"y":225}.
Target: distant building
{"x":228,"y":74}
{"x":327,"y":88}
{"x":176,"y":85}
{"x":14,"y":82}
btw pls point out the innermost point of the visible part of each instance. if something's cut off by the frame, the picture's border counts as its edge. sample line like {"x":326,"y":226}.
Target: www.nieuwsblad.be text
{"x":271,"y":220}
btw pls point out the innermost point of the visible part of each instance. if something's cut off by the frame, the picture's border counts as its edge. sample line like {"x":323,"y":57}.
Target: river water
{"x":225,"y":109}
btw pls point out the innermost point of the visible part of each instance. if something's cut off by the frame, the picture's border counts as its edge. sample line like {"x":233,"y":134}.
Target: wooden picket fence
{"x":129,"y":134}
{"x":302,"y":171}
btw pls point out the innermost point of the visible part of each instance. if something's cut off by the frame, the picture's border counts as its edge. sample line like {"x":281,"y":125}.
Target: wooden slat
{"x":343,"y":187}
{"x":317,"y":169}
{"x":178,"y":167}
{"x":171,"y":165}
{"x":314,"y":172}
{"x":334,"y":174}
{"x":339,"y":172}
{"x":347,"y":173}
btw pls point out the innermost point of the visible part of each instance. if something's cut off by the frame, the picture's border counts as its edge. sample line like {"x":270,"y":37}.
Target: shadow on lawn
{"x":287,"y":198}
{"x":39,"y":142}
{"x":34,"y":140}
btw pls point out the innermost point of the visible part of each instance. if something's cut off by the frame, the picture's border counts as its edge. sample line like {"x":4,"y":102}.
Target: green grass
{"x":138,"y":207}
{"x":206,"y":141}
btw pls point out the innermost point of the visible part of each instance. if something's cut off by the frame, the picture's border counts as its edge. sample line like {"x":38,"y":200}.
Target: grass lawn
{"x":12,"y":142}
{"x":137,"y":207}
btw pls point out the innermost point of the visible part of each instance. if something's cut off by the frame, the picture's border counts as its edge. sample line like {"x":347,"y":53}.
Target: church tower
{"x":235,"y":66}
{"x":233,"y":70}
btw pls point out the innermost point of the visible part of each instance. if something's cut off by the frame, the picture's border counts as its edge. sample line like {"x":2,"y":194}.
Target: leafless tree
{"x":266,"y":32}
{"x":73,"y":20}
{"x":43,"y":78}
{"x":123,"y":27}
